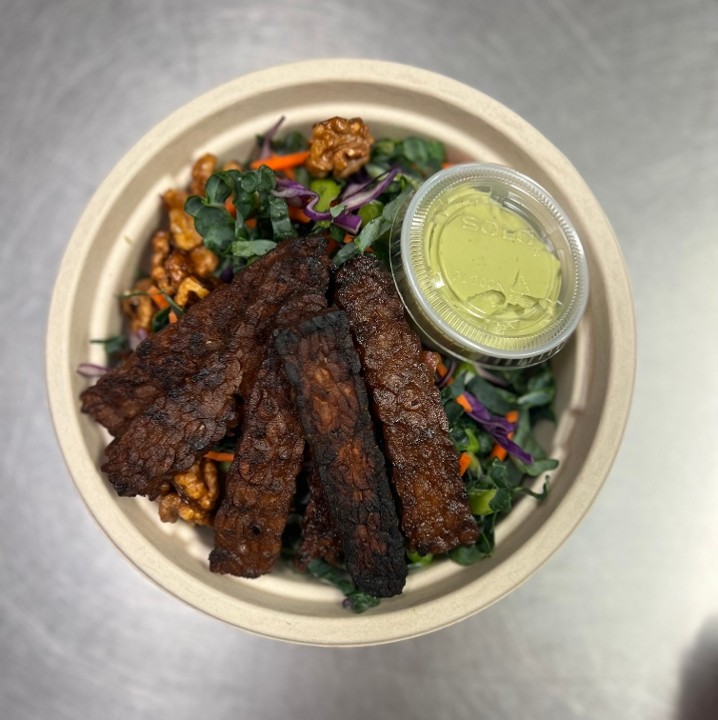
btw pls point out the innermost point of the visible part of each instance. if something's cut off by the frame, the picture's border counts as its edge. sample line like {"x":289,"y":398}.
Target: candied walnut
{"x":137,"y":306}
{"x":169,"y":267}
{"x":174,"y":199}
{"x":201,"y":172}
{"x":192,"y":496}
{"x":184,"y":235}
{"x":203,"y":261}
{"x":339,"y":146}
{"x":188,"y":287}
{"x":200,"y":364}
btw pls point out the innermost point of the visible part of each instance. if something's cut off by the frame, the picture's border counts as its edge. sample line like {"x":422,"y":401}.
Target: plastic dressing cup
{"x":489,"y":267}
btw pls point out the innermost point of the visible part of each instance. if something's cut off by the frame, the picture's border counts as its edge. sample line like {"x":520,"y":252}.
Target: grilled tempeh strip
{"x":435,"y":513}
{"x":181,"y":424}
{"x":261,"y":480}
{"x":323,"y":368}
{"x":320,"y":538}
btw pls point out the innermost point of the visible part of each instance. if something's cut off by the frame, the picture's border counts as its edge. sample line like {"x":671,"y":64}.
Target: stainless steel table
{"x":623,"y":621}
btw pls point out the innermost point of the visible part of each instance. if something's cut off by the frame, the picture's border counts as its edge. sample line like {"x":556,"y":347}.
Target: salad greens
{"x":244,"y":214}
{"x":494,"y":481}
{"x":492,"y":416}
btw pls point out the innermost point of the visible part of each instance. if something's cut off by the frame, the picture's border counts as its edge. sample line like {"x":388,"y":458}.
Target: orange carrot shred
{"x":281,"y":162}
{"x":461,"y":399}
{"x":251,"y":222}
{"x":289,"y":172}
{"x":464,"y":462}
{"x":446,"y":165}
{"x":498,"y":451}
{"x":229,"y":206}
{"x":296,"y":213}
{"x":158,"y":298}
{"x":219,"y":456}
{"x":172,"y":317}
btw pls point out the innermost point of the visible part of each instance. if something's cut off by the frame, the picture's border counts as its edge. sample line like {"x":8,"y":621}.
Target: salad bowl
{"x":594,"y":372}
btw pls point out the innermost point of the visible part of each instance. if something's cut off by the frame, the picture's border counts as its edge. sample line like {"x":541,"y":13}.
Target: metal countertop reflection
{"x":623,"y":621}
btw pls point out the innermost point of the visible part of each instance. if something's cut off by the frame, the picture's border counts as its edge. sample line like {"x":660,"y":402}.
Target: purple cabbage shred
{"x":298,"y":195}
{"x":91,"y":370}
{"x":499,"y":428}
{"x":266,"y":149}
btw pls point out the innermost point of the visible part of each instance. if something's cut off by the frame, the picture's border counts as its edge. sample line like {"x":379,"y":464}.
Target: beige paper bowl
{"x":595,"y":372}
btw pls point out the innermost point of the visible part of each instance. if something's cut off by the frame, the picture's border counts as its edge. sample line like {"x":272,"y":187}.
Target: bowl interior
{"x":594,"y":372}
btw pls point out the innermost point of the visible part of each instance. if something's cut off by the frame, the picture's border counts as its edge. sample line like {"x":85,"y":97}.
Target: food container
{"x":594,"y":372}
{"x":489,"y":266}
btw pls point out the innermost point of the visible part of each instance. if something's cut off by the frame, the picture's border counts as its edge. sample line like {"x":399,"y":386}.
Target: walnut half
{"x":339,"y":146}
{"x":192,"y":495}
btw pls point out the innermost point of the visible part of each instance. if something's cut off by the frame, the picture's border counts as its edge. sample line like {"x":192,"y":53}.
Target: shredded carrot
{"x":281,"y":162}
{"x":219,"y":456}
{"x":446,"y":165}
{"x":296,"y":213}
{"x":461,"y":399}
{"x":251,"y":222}
{"x":348,"y":238}
{"x":172,"y":317}
{"x":158,"y":298}
{"x":289,"y":172}
{"x":464,"y":462}
{"x":498,"y":451}
{"x":229,"y":206}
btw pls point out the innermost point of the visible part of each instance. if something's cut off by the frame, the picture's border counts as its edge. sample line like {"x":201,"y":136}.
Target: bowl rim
{"x":354,"y":630}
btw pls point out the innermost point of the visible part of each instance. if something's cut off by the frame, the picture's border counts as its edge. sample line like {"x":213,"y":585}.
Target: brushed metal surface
{"x":623,"y":621}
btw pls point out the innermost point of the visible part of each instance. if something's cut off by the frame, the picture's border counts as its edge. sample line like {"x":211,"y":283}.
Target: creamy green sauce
{"x":489,"y":265}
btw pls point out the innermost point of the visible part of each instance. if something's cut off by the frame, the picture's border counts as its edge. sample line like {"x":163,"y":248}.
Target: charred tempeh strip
{"x":179,"y":426}
{"x":323,"y":368}
{"x":172,"y":355}
{"x":261,"y":480}
{"x":320,"y":538}
{"x":435,"y":513}
{"x":181,"y":350}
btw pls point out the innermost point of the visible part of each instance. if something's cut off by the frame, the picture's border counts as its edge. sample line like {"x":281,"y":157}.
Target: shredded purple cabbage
{"x":348,"y":220}
{"x":446,"y":379}
{"x":266,"y":149}
{"x":499,"y":428}
{"x":135,"y":338}
{"x":91,"y":370}
{"x":227,"y":275}
{"x":358,"y":181}
{"x":486,"y":375}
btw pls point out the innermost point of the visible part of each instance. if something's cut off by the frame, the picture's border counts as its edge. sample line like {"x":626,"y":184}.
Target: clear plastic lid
{"x":489,"y":266}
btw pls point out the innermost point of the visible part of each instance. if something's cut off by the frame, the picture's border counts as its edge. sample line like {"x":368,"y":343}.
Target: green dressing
{"x":488,"y":266}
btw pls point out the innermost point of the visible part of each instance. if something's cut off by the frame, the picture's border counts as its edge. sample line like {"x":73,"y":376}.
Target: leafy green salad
{"x":245,"y":211}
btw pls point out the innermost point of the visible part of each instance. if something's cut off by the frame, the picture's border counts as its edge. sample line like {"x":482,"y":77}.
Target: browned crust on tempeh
{"x":170,"y":356}
{"x":179,"y":426}
{"x":261,"y":480}
{"x":323,"y":368}
{"x":435,"y":513}
{"x":320,"y":538}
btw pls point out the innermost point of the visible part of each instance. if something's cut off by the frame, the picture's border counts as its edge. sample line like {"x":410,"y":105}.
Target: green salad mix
{"x":244,"y":213}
